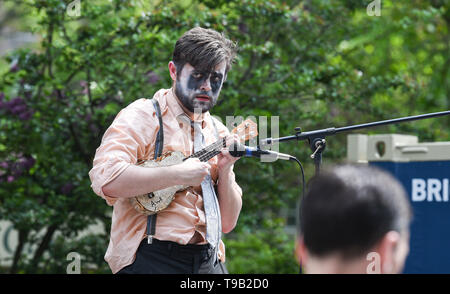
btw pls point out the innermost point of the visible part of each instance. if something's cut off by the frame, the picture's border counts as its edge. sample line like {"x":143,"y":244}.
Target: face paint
{"x":199,"y":89}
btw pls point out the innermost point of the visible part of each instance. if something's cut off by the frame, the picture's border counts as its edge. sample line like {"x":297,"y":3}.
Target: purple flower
{"x":17,"y":173}
{"x":4,"y":165}
{"x":152,"y":77}
{"x":17,"y":106}
{"x":243,"y":28}
{"x":17,"y":169}
{"x":17,"y":109}
{"x":10,"y":179}
{"x":67,"y":188}
{"x":26,"y":115}
{"x":28,"y":163}
{"x":16,"y":101}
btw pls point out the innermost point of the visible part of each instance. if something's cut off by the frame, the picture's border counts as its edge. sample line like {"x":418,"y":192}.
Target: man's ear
{"x":387,"y":249}
{"x":173,"y":71}
{"x":301,"y":253}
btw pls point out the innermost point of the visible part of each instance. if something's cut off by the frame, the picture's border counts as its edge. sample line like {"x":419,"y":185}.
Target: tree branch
{"x":23,"y":234}
{"x":43,"y":246}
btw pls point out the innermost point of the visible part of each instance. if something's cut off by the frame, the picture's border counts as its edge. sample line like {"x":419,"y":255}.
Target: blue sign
{"x":427,"y":184}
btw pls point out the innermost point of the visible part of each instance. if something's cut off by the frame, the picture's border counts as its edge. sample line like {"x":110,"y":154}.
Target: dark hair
{"x":203,"y":49}
{"x":348,"y":209}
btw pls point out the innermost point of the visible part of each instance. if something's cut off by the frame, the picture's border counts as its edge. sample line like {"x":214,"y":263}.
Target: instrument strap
{"x":217,"y":137}
{"x":151,"y":219}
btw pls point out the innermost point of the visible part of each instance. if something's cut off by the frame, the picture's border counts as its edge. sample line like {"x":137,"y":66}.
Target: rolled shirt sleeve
{"x":223,"y":132}
{"x":129,"y":138}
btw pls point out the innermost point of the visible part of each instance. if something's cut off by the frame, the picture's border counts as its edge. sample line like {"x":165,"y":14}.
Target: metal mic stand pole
{"x":317,"y":142}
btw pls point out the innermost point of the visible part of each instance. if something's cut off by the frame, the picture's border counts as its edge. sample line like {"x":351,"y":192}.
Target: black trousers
{"x":166,"y":257}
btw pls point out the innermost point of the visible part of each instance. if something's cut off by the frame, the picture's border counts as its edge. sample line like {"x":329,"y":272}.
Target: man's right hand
{"x":192,"y":171}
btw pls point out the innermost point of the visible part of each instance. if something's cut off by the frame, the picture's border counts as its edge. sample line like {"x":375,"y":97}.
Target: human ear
{"x":301,"y":253}
{"x":387,"y":249}
{"x":173,"y":70}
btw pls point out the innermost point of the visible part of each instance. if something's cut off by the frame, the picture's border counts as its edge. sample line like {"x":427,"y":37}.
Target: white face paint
{"x":199,"y":89}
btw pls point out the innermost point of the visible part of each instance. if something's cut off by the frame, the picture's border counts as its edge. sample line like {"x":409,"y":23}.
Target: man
{"x":186,"y":237}
{"x":354,"y":219}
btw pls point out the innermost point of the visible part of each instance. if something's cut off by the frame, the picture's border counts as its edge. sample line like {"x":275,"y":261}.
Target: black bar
{"x":332,"y":131}
{"x":391,"y":121}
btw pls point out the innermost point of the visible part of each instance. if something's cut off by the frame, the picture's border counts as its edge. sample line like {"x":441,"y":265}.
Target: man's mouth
{"x":203,"y":98}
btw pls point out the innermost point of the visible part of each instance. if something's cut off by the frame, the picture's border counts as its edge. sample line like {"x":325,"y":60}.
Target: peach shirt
{"x":131,"y":138}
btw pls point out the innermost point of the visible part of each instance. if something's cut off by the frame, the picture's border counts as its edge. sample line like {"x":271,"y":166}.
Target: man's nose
{"x":206,"y":85}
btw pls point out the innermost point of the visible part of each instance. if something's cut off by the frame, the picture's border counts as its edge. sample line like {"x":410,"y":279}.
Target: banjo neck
{"x":245,"y":131}
{"x":209,"y":151}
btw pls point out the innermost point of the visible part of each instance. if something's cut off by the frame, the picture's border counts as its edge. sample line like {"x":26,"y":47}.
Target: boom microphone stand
{"x":317,"y":142}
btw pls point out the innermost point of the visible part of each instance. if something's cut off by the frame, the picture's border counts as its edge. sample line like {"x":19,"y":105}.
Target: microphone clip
{"x":319,"y":144}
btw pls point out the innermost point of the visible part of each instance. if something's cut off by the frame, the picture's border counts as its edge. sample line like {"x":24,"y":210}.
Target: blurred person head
{"x":354,"y":219}
{"x":200,"y":63}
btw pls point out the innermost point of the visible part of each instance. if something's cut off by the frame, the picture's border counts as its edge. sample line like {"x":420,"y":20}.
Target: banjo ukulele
{"x":156,"y":201}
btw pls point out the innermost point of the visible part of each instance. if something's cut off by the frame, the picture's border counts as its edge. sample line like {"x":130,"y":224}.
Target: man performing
{"x":183,"y":238}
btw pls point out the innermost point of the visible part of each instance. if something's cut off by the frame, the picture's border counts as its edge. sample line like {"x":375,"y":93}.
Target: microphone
{"x":238,"y":150}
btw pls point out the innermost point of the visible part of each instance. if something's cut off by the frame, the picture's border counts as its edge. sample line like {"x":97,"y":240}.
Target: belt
{"x":184,"y":252}
{"x":190,"y":254}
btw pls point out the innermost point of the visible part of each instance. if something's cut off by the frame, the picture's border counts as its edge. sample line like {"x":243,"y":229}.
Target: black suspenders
{"x":160,"y":136}
{"x":151,"y":219}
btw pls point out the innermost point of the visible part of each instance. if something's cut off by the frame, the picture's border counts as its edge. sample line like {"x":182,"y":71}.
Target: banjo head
{"x":156,"y":201}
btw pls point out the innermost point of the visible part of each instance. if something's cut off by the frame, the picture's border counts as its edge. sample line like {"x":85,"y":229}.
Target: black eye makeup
{"x":197,"y":75}
{"x":216,"y":78}
{"x":197,"y":78}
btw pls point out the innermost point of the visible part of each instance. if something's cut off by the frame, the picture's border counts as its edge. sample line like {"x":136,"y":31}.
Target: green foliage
{"x":258,"y":252}
{"x":314,"y":64}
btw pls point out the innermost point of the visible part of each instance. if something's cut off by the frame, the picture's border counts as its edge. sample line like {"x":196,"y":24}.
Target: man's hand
{"x":192,"y":171}
{"x":224,"y":160}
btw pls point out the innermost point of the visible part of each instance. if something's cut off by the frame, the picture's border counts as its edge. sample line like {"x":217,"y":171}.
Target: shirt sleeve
{"x":223,"y":132}
{"x":132,"y":132}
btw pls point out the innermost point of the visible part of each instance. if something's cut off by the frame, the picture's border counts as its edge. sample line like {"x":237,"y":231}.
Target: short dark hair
{"x":348,"y":209}
{"x":203,"y":49}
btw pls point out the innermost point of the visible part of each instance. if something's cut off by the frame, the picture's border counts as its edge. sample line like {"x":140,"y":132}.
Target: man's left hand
{"x":225,"y":160}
